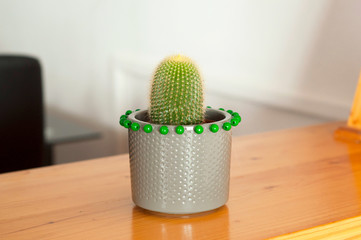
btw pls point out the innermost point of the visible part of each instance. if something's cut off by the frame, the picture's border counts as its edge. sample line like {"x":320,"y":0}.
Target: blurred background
{"x":280,"y":63}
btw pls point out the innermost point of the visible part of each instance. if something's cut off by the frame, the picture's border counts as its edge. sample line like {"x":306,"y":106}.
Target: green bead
{"x":148,"y":128}
{"x":198,"y":129}
{"x":234,"y":122}
{"x":122,"y":118}
{"x":179,"y":130}
{"x":137,"y":110}
{"x":121,"y":121}
{"x":235,"y":114}
{"x":209,"y":107}
{"x":238,"y":118}
{"x":128,"y":112}
{"x":221,"y":109}
{"x":214,"y":128}
{"x":163,"y":130}
{"x":135,"y":126}
{"x":227,"y":126}
{"x":230,"y":111}
{"x":127,"y":123}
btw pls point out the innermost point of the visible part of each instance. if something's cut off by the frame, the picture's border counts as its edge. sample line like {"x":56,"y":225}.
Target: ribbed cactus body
{"x":177,"y":93}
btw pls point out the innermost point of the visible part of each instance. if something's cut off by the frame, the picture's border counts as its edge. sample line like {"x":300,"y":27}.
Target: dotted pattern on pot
{"x":180,"y":173}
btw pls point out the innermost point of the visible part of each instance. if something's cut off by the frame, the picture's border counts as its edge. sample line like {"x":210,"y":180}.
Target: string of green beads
{"x":148,"y":128}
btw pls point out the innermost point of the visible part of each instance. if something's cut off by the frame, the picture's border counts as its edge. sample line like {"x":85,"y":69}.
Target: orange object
{"x":352,"y":131}
{"x":354,"y":120}
{"x":281,"y":182}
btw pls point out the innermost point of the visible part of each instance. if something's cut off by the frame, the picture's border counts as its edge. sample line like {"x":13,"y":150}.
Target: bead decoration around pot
{"x":233,"y":122}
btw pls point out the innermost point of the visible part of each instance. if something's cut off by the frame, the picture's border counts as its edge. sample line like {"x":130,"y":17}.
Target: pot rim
{"x":218,"y":116}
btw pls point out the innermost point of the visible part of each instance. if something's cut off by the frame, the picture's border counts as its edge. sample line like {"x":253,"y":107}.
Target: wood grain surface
{"x":349,"y":229}
{"x":281,"y":182}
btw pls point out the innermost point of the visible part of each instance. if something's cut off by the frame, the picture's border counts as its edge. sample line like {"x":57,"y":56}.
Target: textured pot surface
{"x":180,"y":174}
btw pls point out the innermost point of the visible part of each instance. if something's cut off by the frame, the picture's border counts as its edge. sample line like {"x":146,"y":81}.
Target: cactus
{"x":177,"y":93}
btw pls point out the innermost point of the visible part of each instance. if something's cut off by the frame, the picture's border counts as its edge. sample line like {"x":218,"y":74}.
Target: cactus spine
{"x":177,"y":93}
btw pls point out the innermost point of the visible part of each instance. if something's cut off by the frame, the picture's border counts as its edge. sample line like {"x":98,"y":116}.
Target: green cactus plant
{"x":177,"y":93}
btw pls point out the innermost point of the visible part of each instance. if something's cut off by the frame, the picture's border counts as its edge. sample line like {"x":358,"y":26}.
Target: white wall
{"x":98,"y":56}
{"x":303,"y":55}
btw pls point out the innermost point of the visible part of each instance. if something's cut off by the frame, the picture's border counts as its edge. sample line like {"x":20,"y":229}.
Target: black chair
{"x":21,"y":113}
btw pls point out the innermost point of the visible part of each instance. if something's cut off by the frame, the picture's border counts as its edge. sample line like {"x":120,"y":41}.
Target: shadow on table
{"x":214,"y":225}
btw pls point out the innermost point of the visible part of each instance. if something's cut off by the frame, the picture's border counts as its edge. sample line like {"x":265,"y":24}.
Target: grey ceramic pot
{"x":180,"y":174}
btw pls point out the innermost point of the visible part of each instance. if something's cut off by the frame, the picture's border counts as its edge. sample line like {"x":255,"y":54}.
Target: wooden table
{"x":281,"y":182}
